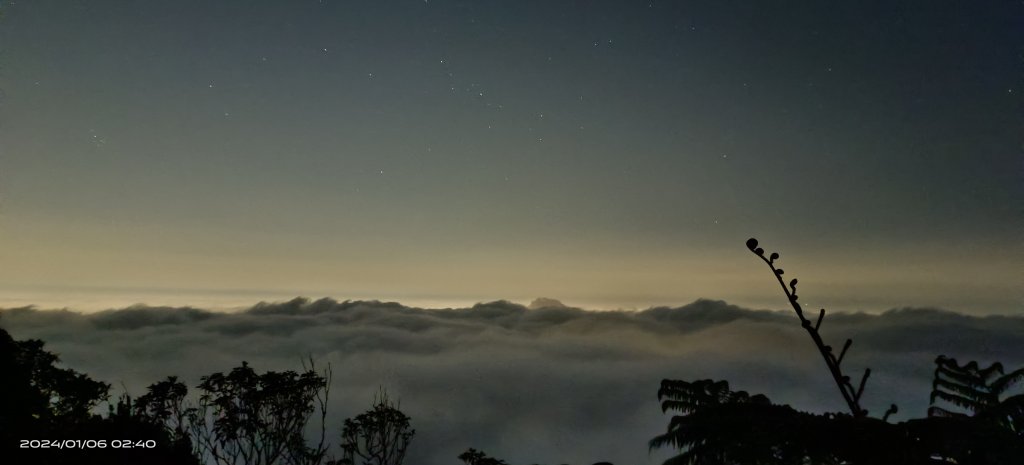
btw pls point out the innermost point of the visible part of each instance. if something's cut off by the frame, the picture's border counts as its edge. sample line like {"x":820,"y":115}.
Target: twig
{"x":851,"y":396}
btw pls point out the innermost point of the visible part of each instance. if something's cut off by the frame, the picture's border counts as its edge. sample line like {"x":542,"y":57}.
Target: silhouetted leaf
{"x":751,"y":244}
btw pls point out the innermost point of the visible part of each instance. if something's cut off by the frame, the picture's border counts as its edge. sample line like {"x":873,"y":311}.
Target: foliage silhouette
{"x":979,"y":391}
{"x":41,"y":401}
{"x":477,"y":457}
{"x":37,"y":393}
{"x":125,"y":421}
{"x":243,"y":417}
{"x":721,"y":426}
{"x":379,"y":436}
{"x":164,"y":405}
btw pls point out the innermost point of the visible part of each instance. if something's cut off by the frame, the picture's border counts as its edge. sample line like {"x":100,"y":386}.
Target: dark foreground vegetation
{"x":245,"y":417}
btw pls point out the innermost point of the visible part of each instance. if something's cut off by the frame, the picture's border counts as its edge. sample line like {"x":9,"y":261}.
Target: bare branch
{"x":850,"y":396}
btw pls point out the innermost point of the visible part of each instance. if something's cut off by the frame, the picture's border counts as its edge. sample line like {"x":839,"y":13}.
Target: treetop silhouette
{"x":379,"y":436}
{"x":478,"y":457}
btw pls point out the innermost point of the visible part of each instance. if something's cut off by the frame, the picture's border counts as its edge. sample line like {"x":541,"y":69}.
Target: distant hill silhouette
{"x":544,"y":302}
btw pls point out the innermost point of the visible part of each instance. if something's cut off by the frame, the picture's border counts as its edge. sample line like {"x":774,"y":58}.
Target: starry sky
{"x":442,"y":153}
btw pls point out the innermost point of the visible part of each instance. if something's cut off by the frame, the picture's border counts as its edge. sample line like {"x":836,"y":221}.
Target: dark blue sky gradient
{"x":614,"y":154}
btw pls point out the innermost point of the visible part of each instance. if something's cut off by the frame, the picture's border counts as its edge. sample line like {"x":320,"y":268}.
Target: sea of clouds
{"x":540,"y":384}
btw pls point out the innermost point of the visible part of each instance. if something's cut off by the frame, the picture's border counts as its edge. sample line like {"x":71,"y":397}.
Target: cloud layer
{"x":544,"y":384}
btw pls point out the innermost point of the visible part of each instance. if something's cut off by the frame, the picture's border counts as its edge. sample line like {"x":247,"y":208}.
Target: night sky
{"x":463,"y":158}
{"x":440,"y":153}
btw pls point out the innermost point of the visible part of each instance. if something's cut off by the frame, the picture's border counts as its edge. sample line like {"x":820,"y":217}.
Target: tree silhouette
{"x":164,"y":405}
{"x":253,"y":419}
{"x":126,"y":421}
{"x":39,"y":396}
{"x":243,"y":417}
{"x":380,"y":436}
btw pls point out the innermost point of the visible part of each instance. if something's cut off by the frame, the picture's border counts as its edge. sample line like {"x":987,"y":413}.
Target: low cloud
{"x":546,"y":384}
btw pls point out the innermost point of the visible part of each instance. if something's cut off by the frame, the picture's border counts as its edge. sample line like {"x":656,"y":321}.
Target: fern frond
{"x":960,"y":375}
{"x":678,"y":406}
{"x":992,"y":370}
{"x":941,"y":412}
{"x":1007,"y":381}
{"x":960,"y":401}
{"x":981,"y":399}
{"x":958,"y":388}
